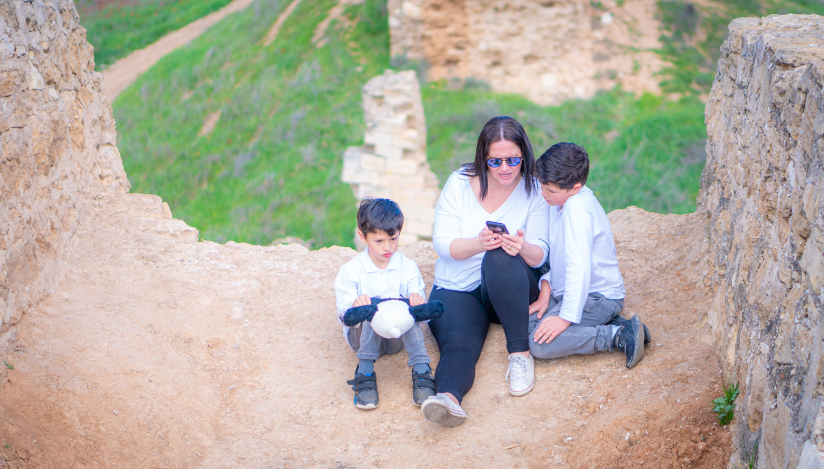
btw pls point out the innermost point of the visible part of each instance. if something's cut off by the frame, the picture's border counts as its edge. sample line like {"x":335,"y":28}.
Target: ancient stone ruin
{"x":126,"y":342}
{"x":549,"y":51}
{"x":763,"y":189}
{"x":59,"y":153}
{"x":392,"y":163}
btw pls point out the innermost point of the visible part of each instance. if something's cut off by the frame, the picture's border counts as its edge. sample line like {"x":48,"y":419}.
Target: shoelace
{"x":517,"y":368}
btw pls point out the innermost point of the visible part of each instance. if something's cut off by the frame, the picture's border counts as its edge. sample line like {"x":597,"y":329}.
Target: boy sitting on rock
{"x":380,"y":271}
{"x":577,"y":311}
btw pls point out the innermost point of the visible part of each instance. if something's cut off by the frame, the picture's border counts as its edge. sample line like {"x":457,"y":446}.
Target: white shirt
{"x":459,"y":214}
{"x":361,"y":276}
{"x":582,"y":254}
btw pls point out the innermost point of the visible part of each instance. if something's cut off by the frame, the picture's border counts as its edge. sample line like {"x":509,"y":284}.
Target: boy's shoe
{"x":366,"y":390}
{"x":440,"y":409}
{"x":423,"y":387}
{"x":618,"y":320}
{"x":630,"y":340}
{"x":520,"y":374}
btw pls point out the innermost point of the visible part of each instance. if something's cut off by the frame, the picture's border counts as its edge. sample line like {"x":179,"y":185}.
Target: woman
{"x":482,"y":276}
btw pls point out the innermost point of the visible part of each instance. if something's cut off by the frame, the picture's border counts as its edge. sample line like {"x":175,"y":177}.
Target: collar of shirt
{"x":369,"y":266}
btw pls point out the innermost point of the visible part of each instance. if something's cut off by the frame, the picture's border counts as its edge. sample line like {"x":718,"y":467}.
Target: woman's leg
{"x":460,"y":334}
{"x":508,"y":286}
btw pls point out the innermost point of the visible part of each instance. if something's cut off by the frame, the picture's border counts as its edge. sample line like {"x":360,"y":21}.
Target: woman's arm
{"x":463,"y":248}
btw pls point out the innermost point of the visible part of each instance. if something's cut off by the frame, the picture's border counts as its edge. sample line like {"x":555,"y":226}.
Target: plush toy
{"x":392,"y":317}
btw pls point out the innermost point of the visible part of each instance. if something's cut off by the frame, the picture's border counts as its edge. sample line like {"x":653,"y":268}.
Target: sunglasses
{"x":496,"y":162}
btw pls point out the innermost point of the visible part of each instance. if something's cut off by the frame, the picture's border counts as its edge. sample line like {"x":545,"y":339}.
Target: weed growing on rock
{"x":724,"y":406}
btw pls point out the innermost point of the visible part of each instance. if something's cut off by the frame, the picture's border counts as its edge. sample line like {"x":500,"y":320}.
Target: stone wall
{"x":549,"y":51}
{"x":763,"y":187}
{"x":392,"y":163}
{"x":58,"y":148}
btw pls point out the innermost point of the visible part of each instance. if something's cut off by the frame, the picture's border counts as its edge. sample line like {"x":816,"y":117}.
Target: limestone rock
{"x":57,"y":136}
{"x":762,"y":189}
{"x":392,"y":163}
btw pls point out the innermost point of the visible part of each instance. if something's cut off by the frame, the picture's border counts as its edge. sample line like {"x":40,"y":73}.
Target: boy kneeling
{"x":577,"y":311}
{"x":380,"y":271}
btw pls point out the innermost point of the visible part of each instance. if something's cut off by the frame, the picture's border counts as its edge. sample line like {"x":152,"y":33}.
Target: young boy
{"x":577,"y":311}
{"x":380,"y":271}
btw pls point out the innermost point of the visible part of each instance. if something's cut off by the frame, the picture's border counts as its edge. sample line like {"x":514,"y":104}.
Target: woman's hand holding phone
{"x":489,"y":240}
{"x":513,"y":244}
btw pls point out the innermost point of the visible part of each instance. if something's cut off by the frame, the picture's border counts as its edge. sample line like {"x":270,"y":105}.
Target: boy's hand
{"x":489,"y":240}
{"x":550,"y":328}
{"x":540,"y":306}
{"x":362,"y":300}
{"x":416,"y":299}
{"x":513,"y":244}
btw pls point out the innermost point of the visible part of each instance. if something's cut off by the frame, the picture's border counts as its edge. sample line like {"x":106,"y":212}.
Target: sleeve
{"x":536,"y":230}
{"x":447,"y":219}
{"x":346,"y":291}
{"x":414,"y":280}
{"x":578,"y":257}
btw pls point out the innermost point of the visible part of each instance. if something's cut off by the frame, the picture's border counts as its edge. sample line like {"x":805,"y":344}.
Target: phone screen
{"x":498,"y":228}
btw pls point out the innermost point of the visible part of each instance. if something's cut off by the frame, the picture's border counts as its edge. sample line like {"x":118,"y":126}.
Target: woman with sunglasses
{"x":482,"y":276}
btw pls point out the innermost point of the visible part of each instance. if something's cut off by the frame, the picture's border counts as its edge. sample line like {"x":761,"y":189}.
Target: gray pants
{"x":370,"y":345}
{"x":588,"y":336}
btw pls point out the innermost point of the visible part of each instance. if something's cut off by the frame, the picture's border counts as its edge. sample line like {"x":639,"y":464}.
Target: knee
{"x":497,"y":260}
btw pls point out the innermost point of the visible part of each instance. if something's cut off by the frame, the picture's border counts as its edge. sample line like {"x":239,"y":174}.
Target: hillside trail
{"x":157,"y":350}
{"x":125,"y":71}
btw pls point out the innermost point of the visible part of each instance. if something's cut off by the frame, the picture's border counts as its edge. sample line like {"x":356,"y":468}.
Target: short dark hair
{"x":495,"y":130}
{"x":564,"y":164}
{"x":379,"y":215}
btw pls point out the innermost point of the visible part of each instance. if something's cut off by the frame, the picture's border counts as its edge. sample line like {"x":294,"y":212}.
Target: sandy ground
{"x":160,"y":351}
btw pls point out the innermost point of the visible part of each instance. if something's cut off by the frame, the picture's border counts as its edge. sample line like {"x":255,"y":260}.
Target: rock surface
{"x":763,"y":187}
{"x":58,"y":153}
{"x":549,"y":51}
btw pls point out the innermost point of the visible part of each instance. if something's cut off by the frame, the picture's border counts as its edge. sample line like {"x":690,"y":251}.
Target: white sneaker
{"x":440,"y":409}
{"x":520,"y":374}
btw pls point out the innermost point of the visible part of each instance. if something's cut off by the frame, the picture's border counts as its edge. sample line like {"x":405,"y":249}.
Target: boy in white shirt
{"x":379,"y":271}
{"x":577,"y":311}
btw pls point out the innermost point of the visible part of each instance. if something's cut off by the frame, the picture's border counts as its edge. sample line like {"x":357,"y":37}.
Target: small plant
{"x":11,"y":367}
{"x":751,"y":457}
{"x":7,"y":446}
{"x":725,"y":406}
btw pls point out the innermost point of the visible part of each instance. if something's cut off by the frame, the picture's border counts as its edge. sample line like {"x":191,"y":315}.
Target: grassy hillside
{"x":116,"y":28}
{"x":271,"y":167}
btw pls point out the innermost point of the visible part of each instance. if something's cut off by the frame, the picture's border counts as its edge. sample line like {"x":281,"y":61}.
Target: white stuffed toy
{"x":391,"y":318}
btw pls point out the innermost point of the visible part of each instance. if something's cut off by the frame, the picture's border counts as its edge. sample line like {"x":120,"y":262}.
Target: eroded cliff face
{"x":763,"y":188}
{"x":58,"y":148}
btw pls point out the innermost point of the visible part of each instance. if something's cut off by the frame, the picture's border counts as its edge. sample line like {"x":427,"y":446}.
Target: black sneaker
{"x":618,"y":320}
{"x":366,"y":390}
{"x":630,"y":340}
{"x":423,"y":386}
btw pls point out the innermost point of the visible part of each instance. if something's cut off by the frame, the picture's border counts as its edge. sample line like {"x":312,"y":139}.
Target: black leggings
{"x":508,"y":286}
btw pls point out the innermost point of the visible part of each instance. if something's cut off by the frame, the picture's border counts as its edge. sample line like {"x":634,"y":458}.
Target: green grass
{"x":695,"y":34}
{"x":724,"y":406}
{"x":271,"y":167}
{"x":647,"y":152}
{"x":118,"y":27}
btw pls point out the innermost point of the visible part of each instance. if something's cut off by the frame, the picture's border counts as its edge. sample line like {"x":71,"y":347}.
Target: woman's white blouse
{"x":460,"y":215}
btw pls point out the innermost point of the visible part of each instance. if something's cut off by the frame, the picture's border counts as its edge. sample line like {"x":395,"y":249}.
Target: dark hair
{"x":564,"y":164}
{"x":497,"y":129}
{"x":379,"y":215}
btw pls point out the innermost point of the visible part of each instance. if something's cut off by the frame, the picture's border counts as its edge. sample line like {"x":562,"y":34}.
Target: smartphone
{"x":497,"y":228}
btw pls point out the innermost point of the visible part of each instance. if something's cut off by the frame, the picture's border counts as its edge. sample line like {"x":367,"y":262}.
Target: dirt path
{"x":125,"y":71}
{"x":160,"y":351}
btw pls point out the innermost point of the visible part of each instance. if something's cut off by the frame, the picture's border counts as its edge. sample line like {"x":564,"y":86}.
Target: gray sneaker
{"x":618,"y":320}
{"x":366,"y":390}
{"x":630,"y":340}
{"x":441,"y":410}
{"x":423,"y":387}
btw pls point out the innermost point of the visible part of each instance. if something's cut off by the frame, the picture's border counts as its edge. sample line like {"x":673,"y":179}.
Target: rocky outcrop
{"x":763,"y":188}
{"x":392,"y":162}
{"x":549,"y":51}
{"x":58,"y":141}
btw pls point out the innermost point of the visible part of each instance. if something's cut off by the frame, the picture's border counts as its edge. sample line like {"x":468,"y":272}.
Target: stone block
{"x":403,"y":167}
{"x":418,"y":227}
{"x":389,"y":152}
{"x":376,"y":137}
{"x":407,"y":238}
{"x":372,"y":162}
